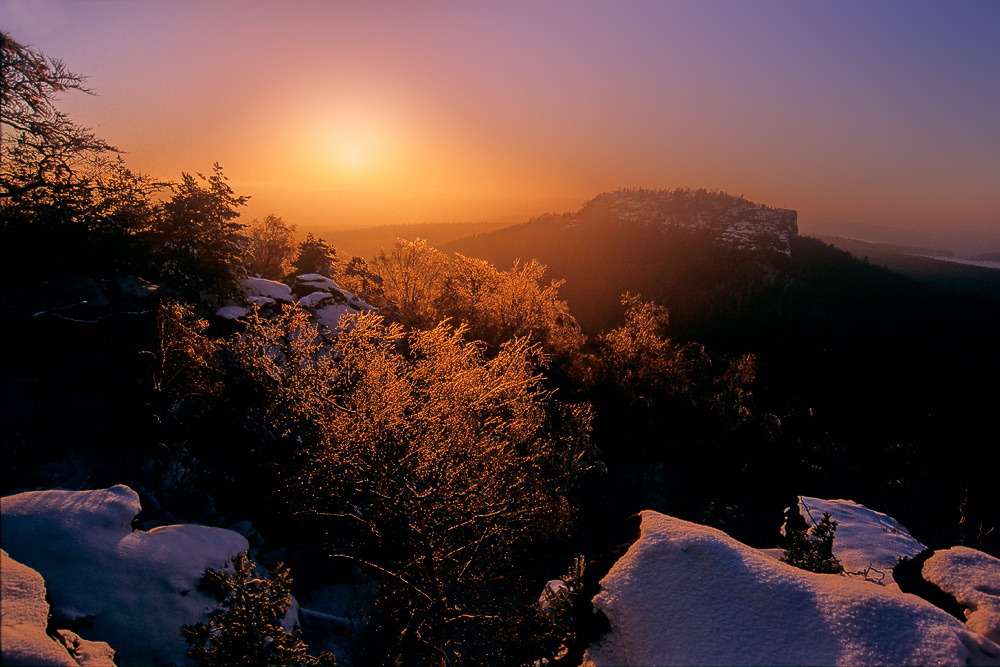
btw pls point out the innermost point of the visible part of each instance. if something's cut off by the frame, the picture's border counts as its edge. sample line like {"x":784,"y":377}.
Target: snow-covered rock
{"x":23,"y":620}
{"x":731,"y":221}
{"x":973,"y":579}
{"x":87,"y":653}
{"x":315,"y":299}
{"x":316,"y":294}
{"x":322,"y":297}
{"x":329,"y":316}
{"x":552,"y":589}
{"x":689,"y":594}
{"x":864,"y":538}
{"x":261,"y":301}
{"x":315,"y":281}
{"x":257,"y":288}
{"x":232,"y":312}
{"x":130,"y":588}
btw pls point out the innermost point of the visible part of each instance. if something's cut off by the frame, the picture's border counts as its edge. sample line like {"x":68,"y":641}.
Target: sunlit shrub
{"x":426,"y":462}
{"x":421,"y":286}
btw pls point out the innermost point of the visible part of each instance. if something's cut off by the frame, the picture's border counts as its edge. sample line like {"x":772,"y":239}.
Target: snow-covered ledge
{"x":689,"y":594}
{"x":130,"y":588}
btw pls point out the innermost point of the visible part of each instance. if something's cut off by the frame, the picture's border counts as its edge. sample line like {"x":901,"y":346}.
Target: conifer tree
{"x":813,"y":549}
{"x":199,"y":238}
{"x":246,"y":628}
{"x":315,"y":256}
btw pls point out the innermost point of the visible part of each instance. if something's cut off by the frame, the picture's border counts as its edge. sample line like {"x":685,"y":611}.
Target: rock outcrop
{"x":867,"y":543}
{"x":130,"y":588}
{"x":689,"y":594}
{"x":24,"y":639}
{"x":321,"y":297}
{"x":731,"y":221}
{"x":972,"y":578}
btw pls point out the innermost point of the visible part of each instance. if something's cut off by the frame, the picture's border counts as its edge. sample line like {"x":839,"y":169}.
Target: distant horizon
{"x":341,"y":115}
{"x":968,"y":242}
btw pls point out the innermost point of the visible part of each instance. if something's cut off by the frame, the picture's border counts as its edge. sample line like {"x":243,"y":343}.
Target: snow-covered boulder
{"x":23,"y":620}
{"x":232,"y":312}
{"x":864,"y":538}
{"x":259,"y":292}
{"x":689,"y":594}
{"x":312,"y":282}
{"x":323,"y":298}
{"x":329,"y":316}
{"x":315,"y":299}
{"x":261,"y":288}
{"x":130,"y":588}
{"x":319,"y":296}
{"x":973,"y":579}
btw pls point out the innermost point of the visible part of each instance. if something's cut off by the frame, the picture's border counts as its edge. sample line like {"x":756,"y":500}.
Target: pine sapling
{"x":813,"y":549}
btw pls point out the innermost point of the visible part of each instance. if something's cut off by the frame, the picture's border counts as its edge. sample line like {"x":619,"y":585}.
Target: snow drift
{"x":131,"y":589}
{"x":689,"y":594}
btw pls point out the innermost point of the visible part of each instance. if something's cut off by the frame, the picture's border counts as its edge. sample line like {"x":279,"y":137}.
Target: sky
{"x":350,"y":113}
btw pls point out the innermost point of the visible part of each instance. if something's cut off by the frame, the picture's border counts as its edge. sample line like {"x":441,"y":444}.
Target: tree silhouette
{"x":315,"y":256}
{"x":199,"y":240}
{"x":43,"y":151}
{"x":246,"y":628}
{"x":271,"y":246}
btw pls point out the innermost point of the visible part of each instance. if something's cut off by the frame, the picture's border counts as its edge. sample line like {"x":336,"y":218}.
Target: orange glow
{"x":350,"y":114}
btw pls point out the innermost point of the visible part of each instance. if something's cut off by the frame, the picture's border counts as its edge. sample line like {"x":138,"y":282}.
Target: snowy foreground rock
{"x":866,"y":540}
{"x":23,"y":620}
{"x":973,"y":579}
{"x":689,"y":594}
{"x":870,"y":540}
{"x":130,"y":588}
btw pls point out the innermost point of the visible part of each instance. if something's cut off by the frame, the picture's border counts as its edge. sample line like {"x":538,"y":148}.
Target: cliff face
{"x":731,"y":221}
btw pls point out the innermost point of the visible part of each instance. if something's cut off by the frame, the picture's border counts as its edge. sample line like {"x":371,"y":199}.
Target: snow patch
{"x":261,"y":287}
{"x":232,"y":312}
{"x":315,"y":299}
{"x":318,"y":281}
{"x":330,"y":316}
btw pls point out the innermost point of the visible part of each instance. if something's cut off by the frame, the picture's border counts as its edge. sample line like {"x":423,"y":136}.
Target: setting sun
{"x":352,"y":156}
{"x":341,"y":142}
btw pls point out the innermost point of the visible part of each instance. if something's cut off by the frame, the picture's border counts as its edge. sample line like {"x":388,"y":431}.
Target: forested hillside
{"x":868,"y":370}
{"x":939,"y":268}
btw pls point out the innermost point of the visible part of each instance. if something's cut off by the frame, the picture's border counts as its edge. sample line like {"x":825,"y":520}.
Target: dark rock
{"x":908,"y":574}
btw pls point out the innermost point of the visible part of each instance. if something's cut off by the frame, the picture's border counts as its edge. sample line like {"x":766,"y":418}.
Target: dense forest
{"x":496,"y":418}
